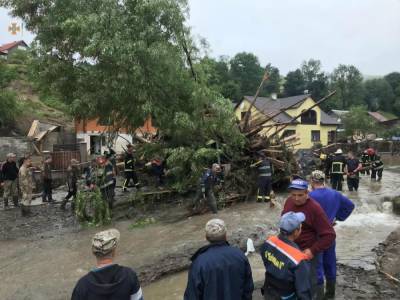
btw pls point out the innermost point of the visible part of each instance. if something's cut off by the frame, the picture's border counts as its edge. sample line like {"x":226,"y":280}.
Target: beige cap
{"x":317,"y":175}
{"x":215,"y":230}
{"x":105,"y":241}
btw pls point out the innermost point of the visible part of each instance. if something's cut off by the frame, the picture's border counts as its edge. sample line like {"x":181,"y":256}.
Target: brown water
{"x":370,"y":224}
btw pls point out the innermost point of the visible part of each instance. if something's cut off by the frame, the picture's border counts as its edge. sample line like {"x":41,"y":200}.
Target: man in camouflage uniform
{"x":72,"y":182}
{"x":26,"y":185}
{"x":47,"y":195}
{"x":9,"y":175}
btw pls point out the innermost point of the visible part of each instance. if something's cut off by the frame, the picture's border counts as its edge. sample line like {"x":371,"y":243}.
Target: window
{"x":315,"y":136}
{"x":309,"y":117}
{"x":288,"y":133}
{"x":331,"y":137}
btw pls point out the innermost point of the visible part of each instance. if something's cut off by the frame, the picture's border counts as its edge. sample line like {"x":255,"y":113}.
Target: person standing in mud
{"x":106,"y":181}
{"x":129,"y":169}
{"x":9,"y":180}
{"x":317,"y":233}
{"x":25,"y":177}
{"x":337,"y":208}
{"x":210,"y":178}
{"x":366,"y":163}
{"x":264,"y":168}
{"x":72,"y":182}
{"x":376,"y":167}
{"x":353,"y":167}
{"x":47,"y":195}
{"x":338,"y":164}
{"x":287,"y":271}
{"x":107,"y":280}
{"x":218,"y":270}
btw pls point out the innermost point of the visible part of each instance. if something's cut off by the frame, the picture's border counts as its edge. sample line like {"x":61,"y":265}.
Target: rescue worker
{"x":108,"y":280}
{"x":376,"y":167}
{"x":338,"y":164}
{"x":25,"y":178}
{"x":218,"y":270}
{"x":129,"y":169}
{"x":72,"y":182}
{"x":287,"y":271}
{"x":209,"y":179}
{"x":90,"y":173}
{"x":317,"y":233}
{"x":157,"y":166}
{"x":47,"y":195}
{"x":366,"y":163}
{"x":264,"y":168}
{"x":106,"y":181}
{"x":353,"y":166}
{"x":9,"y":175}
{"x":337,"y":208}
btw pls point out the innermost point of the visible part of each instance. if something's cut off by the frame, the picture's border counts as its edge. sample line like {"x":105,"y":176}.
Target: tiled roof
{"x":377,"y":116}
{"x":270,"y":106}
{"x":6,"y":47}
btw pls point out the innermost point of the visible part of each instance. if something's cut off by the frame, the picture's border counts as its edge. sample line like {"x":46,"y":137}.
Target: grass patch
{"x":142,"y":222}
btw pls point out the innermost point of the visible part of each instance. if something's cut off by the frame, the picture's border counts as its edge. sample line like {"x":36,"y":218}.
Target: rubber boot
{"x":330,"y":289}
{"x":15,"y":201}
{"x":319,"y":295}
{"x":5,"y":203}
{"x":25,"y":210}
{"x":63,"y":204}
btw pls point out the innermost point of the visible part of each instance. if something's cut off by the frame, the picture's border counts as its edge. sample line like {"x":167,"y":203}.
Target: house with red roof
{"x":9,"y":48}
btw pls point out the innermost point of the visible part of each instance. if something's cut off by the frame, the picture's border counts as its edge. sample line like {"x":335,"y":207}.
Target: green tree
{"x":315,"y":80}
{"x":8,"y":103}
{"x":125,"y":60}
{"x":379,"y":95}
{"x":247,"y":71}
{"x":347,"y":81}
{"x":394,"y":80}
{"x":273,"y":84}
{"x":294,"y":83}
{"x":358,"y":121}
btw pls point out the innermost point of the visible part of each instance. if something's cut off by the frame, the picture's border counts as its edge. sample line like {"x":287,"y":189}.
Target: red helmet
{"x":370,"y":151}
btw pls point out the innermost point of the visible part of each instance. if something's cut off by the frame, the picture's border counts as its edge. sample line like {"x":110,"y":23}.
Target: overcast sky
{"x":365,"y":33}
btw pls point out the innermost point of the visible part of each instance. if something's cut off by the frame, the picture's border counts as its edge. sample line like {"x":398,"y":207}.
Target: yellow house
{"x":314,"y":127}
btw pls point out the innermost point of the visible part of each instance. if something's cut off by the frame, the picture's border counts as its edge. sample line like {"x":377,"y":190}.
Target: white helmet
{"x":339,"y":151}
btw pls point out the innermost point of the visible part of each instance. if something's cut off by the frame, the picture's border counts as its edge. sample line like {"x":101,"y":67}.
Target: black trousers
{"x":264,"y":188}
{"x":336,"y":180}
{"x":353,"y":183}
{"x":130,"y":175}
{"x":108,"y":195}
{"x":210,"y":198}
{"x":72,"y":190}
{"x":47,"y":194}
{"x":376,"y":172}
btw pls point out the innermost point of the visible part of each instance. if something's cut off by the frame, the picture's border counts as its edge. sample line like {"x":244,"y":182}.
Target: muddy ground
{"x":42,"y":257}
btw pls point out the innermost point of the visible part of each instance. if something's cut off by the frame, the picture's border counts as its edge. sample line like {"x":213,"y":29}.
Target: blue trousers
{"x":327,"y":265}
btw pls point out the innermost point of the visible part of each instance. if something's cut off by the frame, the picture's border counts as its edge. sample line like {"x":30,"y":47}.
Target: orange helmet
{"x":370,"y":151}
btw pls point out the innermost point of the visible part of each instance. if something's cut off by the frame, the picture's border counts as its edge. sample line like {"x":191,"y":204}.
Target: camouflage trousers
{"x":10,"y":190}
{"x":26,"y":196}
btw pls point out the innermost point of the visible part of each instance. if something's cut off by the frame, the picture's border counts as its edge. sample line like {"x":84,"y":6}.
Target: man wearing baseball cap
{"x":287,"y":271}
{"x":218,"y":270}
{"x":107,"y":280}
{"x":317,"y":232}
{"x":338,"y":208}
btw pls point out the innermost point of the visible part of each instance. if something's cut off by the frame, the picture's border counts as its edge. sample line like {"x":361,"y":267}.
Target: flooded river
{"x":370,"y":224}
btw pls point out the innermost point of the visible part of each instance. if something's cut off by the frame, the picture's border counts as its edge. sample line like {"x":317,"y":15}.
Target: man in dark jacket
{"x":287,"y":271}
{"x":129,"y":169}
{"x":353,"y":167}
{"x":264,"y":168}
{"x":72,"y":182}
{"x":9,"y":175}
{"x":219,"y":271}
{"x":107,"y":281}
{"x":337,"y":166}
{"x":47,"y":195}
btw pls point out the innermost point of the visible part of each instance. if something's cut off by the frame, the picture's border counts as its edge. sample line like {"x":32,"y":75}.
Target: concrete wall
{"x":19,"y":146}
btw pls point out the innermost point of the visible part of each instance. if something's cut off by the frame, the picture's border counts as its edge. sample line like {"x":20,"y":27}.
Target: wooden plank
{"x":34,"y":129}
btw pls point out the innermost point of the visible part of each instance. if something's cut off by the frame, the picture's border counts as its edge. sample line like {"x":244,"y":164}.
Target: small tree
{"x":358,"y":121}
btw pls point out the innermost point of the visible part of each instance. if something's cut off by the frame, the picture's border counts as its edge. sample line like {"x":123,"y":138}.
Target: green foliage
{"x":379,"y":94}
{"x":142,"y":222}
{"x":91,"y":209}
{"x":54,"y":102}
{"x":294,"y":83}
{"x":315,"y":80}
{"x":358,"y":121}
{"x":8,"y":107}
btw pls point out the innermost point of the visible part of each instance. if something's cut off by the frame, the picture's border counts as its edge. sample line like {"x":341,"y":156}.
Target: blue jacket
{"x":209,"y":179}
{"x":335,"y":204}
{"x":219,"y":272}
{"x":286,"y":269}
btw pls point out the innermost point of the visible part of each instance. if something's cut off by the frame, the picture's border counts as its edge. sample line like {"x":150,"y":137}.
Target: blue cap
{"x":291,"y":221}
{"x":299,"y":184}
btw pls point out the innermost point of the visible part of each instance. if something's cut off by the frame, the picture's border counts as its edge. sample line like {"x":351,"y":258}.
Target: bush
{"x":8,"y":107}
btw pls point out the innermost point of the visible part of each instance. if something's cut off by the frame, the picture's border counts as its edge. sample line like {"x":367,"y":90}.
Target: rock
{"x":396,"y":205}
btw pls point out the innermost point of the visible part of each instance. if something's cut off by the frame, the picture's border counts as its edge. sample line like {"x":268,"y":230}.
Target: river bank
{"x":43,"y":257}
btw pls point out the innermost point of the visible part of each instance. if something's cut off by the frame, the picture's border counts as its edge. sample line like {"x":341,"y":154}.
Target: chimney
{"x":274,"y":96}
